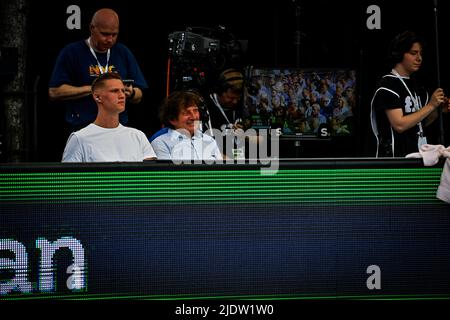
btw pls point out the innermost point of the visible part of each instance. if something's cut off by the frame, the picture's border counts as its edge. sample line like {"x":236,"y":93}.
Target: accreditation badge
{"x":421,"y":141}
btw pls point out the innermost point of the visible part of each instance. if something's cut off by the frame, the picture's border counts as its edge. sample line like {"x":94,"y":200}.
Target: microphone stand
{"x":438,"y":74}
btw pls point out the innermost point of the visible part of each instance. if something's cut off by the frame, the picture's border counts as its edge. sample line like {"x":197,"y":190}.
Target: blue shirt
{"x":170,"y":144}
{"x":76,"y":66}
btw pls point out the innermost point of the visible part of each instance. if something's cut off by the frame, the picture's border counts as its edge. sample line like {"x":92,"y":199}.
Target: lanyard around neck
{"x":95,"y":56}
{"x":216,"y":102}
{"x":414,"y":98}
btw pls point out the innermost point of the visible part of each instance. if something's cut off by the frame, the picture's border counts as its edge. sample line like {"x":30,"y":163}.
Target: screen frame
{"x":324,"y":132}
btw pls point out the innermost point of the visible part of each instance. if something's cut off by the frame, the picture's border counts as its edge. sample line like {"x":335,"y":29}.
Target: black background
{"x":334,"y":34}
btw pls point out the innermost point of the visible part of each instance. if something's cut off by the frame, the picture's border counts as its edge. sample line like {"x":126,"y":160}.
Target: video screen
{"x":301,"y":102}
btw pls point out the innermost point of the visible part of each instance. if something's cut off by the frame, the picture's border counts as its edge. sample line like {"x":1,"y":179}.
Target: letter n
{"x":47,"y":268}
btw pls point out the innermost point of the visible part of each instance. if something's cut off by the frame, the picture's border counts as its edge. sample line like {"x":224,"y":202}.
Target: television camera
{"x":199,"y":54}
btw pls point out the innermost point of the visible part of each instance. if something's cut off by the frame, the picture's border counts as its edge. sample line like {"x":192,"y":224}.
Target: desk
{"x":315,"y":228}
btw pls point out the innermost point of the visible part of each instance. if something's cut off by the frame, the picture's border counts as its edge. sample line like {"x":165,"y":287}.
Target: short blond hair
{"x":98,"y":82}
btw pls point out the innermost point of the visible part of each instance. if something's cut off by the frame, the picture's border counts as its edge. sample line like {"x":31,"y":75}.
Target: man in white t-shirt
{"x":106,"y":140}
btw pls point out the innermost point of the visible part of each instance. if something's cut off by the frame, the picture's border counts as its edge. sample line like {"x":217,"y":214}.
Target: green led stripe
{"x":299,"y":186}
{"x":242,"y":193}
{"x":323,"y":184}
{"x":144,"y":178}
{"x":198,"y":174}
{"x":280,"y":173}
{"x":246,"y":193}
{"x":276,"y":297}
{"x":408,"y":185}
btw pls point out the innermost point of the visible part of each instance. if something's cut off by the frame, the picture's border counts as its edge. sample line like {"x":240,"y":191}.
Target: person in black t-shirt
{"x":400,"y":108}
{"x":224,"y":113}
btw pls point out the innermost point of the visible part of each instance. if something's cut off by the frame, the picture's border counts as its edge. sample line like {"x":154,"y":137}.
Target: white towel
{"x":443,"y":191}
{"x":431,"y":154}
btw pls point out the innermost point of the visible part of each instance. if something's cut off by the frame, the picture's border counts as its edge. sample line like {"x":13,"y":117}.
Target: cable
{"x":168,"y":77}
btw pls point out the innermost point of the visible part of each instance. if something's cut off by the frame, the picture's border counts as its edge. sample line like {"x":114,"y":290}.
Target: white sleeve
{"x":161,"y":149}
{"x":148,"y":151}
{"x":217,"y":152}
{"x":146,"y":148}
{"x":73,"y":151}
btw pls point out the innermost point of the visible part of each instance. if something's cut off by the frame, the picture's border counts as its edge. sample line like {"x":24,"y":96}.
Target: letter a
{"x":374,"y":281}
{"x":73,"y":21}
{"x":374,"y":20}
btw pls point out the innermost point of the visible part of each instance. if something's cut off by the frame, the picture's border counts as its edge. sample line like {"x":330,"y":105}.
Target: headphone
{"x":97,"y":99}
{"x":229,"y":78}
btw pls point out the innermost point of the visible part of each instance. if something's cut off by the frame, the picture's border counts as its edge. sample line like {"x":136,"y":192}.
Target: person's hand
{"x":129,"y":91}
{"x":238,"y":126}
{"x":445,"y":106}
{"x":437,"y":98}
